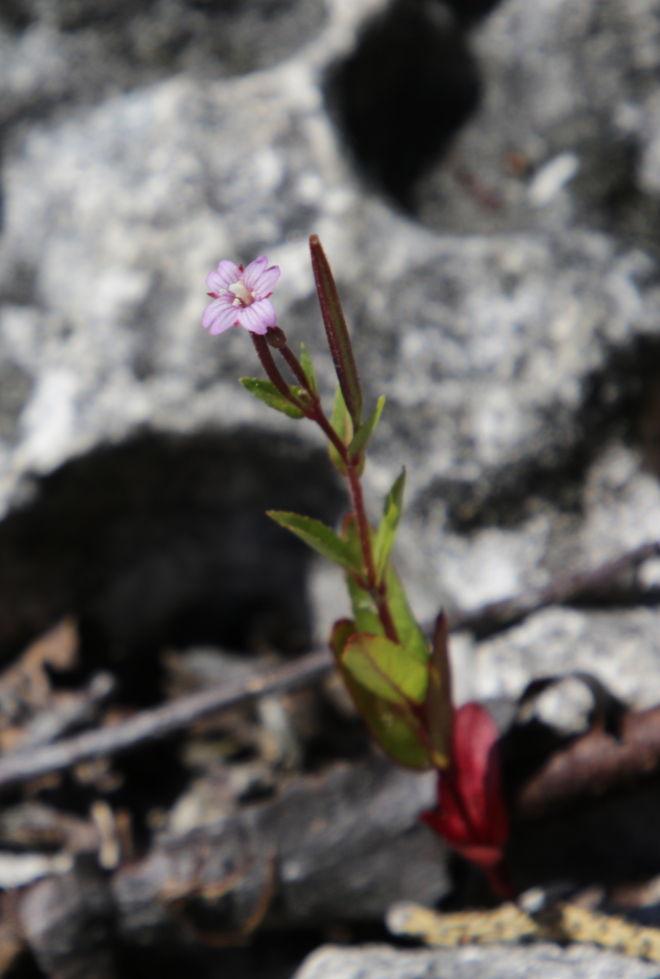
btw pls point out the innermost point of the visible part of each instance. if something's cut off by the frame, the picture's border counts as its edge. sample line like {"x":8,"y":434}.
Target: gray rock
{"x":620,"y":648}
{"x":541,"y":961}
{"x":509,"y":342}
{"x":343,"y":845}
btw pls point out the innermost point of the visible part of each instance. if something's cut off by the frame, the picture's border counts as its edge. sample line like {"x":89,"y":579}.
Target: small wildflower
{"x":241,"y":296}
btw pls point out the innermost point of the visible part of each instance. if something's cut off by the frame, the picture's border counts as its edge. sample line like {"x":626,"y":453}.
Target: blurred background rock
{"x":485,"y":179}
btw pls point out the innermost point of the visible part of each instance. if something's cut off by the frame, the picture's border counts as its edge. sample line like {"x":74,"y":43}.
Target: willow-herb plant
{"x":398,"y":681}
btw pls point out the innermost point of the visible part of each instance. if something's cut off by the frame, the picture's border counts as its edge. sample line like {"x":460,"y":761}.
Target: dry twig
{"x":497,"y":615}
{"x":20,"y":766}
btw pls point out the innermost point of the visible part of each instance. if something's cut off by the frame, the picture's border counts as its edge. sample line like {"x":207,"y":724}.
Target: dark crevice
{"x":471,"y":11}
{"x":16,"y":15}
{"x":620,"y":401}
{"x":164,"y":541}
{"x":405,"y":92}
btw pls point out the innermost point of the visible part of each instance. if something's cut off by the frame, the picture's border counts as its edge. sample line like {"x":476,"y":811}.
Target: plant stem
{"x":296,"y":368}
{"x":315,"y":413}
{"x":273,"y":372}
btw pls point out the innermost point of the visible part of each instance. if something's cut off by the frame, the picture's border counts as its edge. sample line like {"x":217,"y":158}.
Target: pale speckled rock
{"x":483,"y":330}
{"x":620,"y":648}
{"x":541,"y":961}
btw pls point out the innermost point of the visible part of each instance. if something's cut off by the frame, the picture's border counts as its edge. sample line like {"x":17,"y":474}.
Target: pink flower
{"x":240,"y":296}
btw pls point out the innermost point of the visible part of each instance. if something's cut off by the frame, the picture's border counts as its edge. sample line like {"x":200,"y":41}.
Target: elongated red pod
{"x":339,"y":339}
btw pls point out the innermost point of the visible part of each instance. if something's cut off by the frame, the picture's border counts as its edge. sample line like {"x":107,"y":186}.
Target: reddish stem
{"x":296,"y":368}
{"x":273,"y":372}
{"x":364,"y":530}
{"x":315,"y":413}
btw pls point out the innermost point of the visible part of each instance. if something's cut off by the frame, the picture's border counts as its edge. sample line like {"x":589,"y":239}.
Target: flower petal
{"x":219,"y":316}
{"x":227,"y":273}
{"x":251,"y":320}
{"x":265,"y":282}
{"x":266,"y":311}
{"x":254,"y":271}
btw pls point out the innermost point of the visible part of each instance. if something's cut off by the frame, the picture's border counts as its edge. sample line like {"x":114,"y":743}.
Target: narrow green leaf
{"x":364,"y":433}
{"x":385,"y":668}
{"x":365,"y":614}
{"x":389,"y":524}
{"x":410,"y":634}
{"x":268,"y":393}
{"x":394,"y":728}
{"x":323,"y":539}
{"x":336,"y":330}
{"x":308,"y":367}
{"x":343,"y":426}
{"x":342,"y":631}
{"x":438,"y":697}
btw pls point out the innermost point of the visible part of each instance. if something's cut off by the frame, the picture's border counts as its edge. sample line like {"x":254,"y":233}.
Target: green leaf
{"x":343,"y":426}
{"x":323,"y":539}
{"x":268,"y":393}
{"x":438,"y":697}
{"x":364,"y":433}
{"x":395,"y":729}
{"x":410,"y":634}
{"x":308,"y":367}
{"x":365,"y":614}
{"x":385,"y":668}
{"x":389,"y":524}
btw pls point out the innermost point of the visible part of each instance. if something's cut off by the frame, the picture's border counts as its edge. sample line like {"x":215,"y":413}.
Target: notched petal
{"x":227,"y":272}
{"x":251,"y":320}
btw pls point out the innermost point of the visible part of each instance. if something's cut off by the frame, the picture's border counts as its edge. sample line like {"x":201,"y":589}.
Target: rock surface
{"x":513,"y":325}
{"x":541,"y":961}
{"x":514,"y":329}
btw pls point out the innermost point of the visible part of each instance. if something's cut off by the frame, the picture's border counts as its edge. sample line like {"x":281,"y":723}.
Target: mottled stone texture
{"x":513,"y":325}
{"x":540,"y":961}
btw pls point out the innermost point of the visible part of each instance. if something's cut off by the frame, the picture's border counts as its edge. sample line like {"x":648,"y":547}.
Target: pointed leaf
{"x":343,"y":426}
{"x":410,"y":634}
{"x":384,"y":667}
{"x":323,"y":539}
{"x":342,"y":631}
{"x":365,"y":614}
{"x":439,"y":711}
{"x":336,"y":330}
{"x":394,"y":729}
{"x":308,"y":367}
{"x":364,"y":433}
{"x":268,"y":393}
{"x":472,"y":813}
{"x":389,"y":524}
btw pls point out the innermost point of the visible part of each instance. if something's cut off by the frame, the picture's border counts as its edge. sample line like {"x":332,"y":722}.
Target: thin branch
{"x":19,"y":766}
{"x":497,"y":615}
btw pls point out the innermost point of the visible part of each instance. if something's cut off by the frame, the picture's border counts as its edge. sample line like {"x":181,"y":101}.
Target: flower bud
{"x":276,"y":337}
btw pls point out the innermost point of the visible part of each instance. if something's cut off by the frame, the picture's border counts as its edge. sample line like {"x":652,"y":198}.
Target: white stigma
{"x":243,"y":295}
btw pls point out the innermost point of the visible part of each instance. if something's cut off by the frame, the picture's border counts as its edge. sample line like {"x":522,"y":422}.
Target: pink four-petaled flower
{"x":240,"y":296}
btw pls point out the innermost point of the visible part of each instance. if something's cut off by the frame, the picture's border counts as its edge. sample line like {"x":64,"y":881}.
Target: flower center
{"x":243,"y":295}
